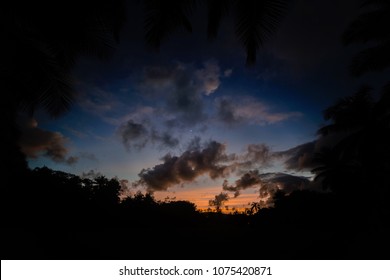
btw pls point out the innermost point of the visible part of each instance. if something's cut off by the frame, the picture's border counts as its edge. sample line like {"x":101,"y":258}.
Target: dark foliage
{"x":51,"y":214}
{"x":372,"y":27}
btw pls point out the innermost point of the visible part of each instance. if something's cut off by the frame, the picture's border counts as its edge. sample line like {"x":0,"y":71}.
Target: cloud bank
{"x":209,"y":159}
{"x":35,"y":142}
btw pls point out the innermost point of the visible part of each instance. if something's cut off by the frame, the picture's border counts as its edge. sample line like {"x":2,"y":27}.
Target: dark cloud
{"x":249,"y":179}
{"x":137,"y":135}
{"x":91,"y":174}
{"x":182,"y":88}
{"x":267,"y":184}
{"x":219,"y":200}
{"x":274,"y":182}
{"x":125,"y":190}
{"x":134,"y":135}
{"x":209,"y":158}
{"x":165,"y":139}
{"x":255,"y":156}
{"x":302,"y":157}
{"x":225,"y":111}
{"x":250,"y":111}
{"x":70,"y":160}
{"x":285,"y":182}
{"x":124,"y":183}
{"x":299,"y":158}
{"x":35,"y":142}
{"x":257,"y":153}
{"x":205,"y":80}
{"x":208,"y":77}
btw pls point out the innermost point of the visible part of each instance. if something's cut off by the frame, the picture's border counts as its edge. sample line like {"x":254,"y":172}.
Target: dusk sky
{"x":192,"y":121}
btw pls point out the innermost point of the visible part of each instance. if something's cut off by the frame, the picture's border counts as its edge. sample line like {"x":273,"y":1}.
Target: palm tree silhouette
{"x":356,"y":167}
{"x":42,"y":42}
{"x":372,"y":26}
{"x":365,"y":123}
{"x":255,"y":21}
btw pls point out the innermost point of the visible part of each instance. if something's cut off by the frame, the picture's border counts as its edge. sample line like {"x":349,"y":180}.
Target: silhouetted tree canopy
{"x":255,"y":21}
{"x":42,"y":42}
{"x":371,"y":27}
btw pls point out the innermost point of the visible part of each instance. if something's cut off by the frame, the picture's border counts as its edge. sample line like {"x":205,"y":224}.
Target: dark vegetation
{"x":49,"y":214}
{"x":52,"y":214}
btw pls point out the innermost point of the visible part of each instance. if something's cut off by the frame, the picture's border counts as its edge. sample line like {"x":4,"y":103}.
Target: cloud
{"x":248,"y":110}
{"x":182,"y":89}
{"x":226,"y":111}
{"x":256,"y":154}
{"x":95,"y":100}
{"x":249,"y":179}
{"x":134,"y":135}
{"x":35,"y":142}
{"x":124,"y":183}
{"x":207,"y":159}
{"x":91,"y":174}
{"x":302,"y":157}
{"x":137,"y":135}
{"x":208,"y":77}
{"x":299,"y":158}
{"x":227,"y":73}
{"x":165,"y":139}
{"x":286,"y":182}
{"x":139,"y":114}
{"x":267,"y":184}
{"x":219,"y":200}
{"x":125,"y":190}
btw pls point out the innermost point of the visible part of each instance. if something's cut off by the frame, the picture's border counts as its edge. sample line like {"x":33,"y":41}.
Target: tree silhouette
{"x":41,"y":43}
{"x":372,"y":26}
{"x":355,"y":168}
{"x":255,"y":21}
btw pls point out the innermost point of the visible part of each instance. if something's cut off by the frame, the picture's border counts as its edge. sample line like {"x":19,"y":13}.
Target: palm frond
{"x":371,"y":59}
{"x":371,"y":26}
{"x":217,"y":9}
{"x":162,"y":18}
{"x":256,"y":21}
{"x":375,"y":2}
{"x":58,"y":97}
{"x":44,"y":39}
{"x":349,"y":113}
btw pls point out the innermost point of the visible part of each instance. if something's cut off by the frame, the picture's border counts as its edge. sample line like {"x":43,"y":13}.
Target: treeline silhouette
{"x":57,"y":215}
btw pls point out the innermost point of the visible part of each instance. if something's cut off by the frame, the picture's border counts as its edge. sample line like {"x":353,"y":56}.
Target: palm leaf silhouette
{"x":255,"y":20}
{"x":372,"y":26}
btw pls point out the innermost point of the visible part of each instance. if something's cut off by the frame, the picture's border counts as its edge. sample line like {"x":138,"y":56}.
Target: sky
{"x":192,"y":121}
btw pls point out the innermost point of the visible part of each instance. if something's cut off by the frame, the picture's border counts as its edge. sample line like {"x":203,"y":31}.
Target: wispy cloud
{"x":249,"y":110}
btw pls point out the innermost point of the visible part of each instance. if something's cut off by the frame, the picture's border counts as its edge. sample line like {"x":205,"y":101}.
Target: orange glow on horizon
{"x":201,"y":196}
